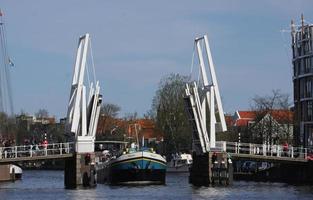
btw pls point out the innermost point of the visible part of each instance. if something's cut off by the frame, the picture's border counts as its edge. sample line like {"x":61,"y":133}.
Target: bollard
{"x":93,"y":175}
{"x":16,"y":152}
{"x":264,"y":149}
{"x":31,"y":151}
{"x":215,"y":173}
{"x":278,"y":151}
{"x":223,"y":174}
{"x":230,"y":172}
{"x":13,"y":174}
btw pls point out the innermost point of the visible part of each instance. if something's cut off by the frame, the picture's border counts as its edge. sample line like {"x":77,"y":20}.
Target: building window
{"x":309,"y":135}
{"x":309,"y":111}
{"x":307,"y":66}
{"x":301,"y":66}
{"x":296,"y":67}
{"x":303,"y":111}
{"x":302,"y":88}
{"x":308,"y":88}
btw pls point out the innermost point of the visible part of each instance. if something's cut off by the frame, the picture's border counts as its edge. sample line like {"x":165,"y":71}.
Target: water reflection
{"x":48,"y":185}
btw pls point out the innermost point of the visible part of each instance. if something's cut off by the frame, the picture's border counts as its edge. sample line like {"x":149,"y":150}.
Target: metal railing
{"x":30,"y":151}
{"x":264,"y":150}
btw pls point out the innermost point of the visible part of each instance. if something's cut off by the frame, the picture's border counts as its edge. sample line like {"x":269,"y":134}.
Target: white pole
{"x":214,"y":80}
{"x":212,"y":122}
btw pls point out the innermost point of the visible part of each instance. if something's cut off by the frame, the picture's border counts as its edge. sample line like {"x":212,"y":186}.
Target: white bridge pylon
{"x":209,"y":95}
{"x":82,"y":115}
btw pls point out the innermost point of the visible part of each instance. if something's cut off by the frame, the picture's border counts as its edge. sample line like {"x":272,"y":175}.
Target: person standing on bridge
{"x":285,"y":148}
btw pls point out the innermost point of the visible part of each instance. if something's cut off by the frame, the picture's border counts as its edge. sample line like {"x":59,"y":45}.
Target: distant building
{"x":272,"y":127}
{"x":302,"y":46}
{"x":44,"y":120}
{"x":148,"y":130}
{"x":243,"y":118}
{"x":36,"y":130}
{"x":130,"y":129}
{"x":25,"y":121}
{"x":63,"y":120}
{"x":242,"y":121}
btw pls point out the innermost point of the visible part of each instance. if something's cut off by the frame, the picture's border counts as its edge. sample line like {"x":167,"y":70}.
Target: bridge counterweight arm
{"x":83,"y":113}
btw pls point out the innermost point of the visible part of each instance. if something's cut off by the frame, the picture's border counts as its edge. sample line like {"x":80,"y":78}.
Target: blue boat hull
{"x":138,"y":170}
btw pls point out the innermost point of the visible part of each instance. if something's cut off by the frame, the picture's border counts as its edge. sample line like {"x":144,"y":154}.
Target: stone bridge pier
{"x":79,"y":171}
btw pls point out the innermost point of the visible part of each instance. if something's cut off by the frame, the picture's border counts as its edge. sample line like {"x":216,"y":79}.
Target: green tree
{"x":168,"y":107}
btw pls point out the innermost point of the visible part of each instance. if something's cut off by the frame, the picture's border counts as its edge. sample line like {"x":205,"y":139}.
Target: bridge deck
{"x":36,"y":152}
{"x":261,"y":158}
{"x":35,"y":158}
{"x":263,"y":152}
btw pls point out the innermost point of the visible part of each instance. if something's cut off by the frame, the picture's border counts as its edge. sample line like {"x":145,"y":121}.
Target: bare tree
{"x":131,"y":116}
{"x":110,"y":110}
{"x":107,"y":117}
{"x":266,"y":128}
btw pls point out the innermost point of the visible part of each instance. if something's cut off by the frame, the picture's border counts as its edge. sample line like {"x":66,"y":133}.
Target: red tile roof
{"x":282,"y":116}
{"x":246,"y":114}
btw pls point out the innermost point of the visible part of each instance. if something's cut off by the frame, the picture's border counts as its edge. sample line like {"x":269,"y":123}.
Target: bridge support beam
{"x":212,"y":168}
{"x":79,"y":171}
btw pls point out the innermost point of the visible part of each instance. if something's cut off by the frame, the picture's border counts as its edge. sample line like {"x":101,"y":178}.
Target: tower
{"x":302,"y":60}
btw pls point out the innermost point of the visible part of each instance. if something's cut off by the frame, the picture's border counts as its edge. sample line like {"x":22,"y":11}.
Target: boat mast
{"x":6,"y":104}
{"x":137,"y":137}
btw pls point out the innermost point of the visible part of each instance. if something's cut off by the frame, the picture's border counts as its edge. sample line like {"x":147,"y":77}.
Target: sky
{"x":136,"y":43}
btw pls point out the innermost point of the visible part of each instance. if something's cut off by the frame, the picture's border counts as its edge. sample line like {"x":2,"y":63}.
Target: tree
{"x":170,"y":116}
{"x":110,"y":110}
{"x":106,"y":123}
{"x":131,"y":116}
{"x":150,"y":114}
{"x":266,"y":129}
{"x":42,"y":113}
{"x":7,"y":127}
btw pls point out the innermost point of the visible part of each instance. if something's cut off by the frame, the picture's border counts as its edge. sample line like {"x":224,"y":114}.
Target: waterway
{"x":48,"y":185}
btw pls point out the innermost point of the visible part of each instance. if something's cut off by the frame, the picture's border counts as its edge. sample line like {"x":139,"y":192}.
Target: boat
{"x":137,"y":166}
{"x":15,"y":172}
{"x":180,"y":163}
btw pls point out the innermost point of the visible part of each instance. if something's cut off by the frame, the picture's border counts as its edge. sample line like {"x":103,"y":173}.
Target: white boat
{"x":15,"y":171}
{"x":180,"y":163}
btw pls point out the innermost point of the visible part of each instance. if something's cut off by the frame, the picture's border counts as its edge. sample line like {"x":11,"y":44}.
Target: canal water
{"x":48,"y":185}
